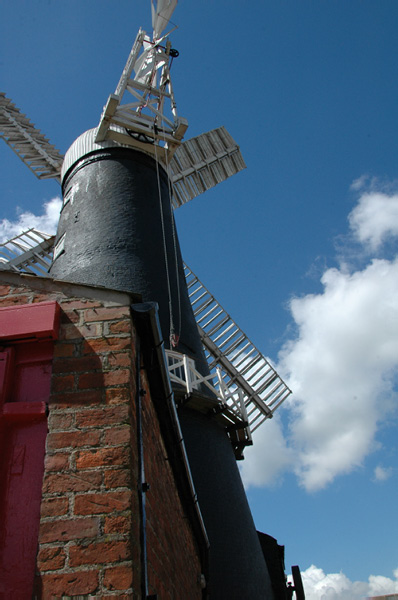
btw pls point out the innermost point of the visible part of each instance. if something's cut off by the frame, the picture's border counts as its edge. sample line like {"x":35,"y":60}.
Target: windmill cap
{"x":85,"y":144}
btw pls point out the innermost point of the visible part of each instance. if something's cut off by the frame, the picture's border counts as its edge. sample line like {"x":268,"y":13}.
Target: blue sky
{"x":300,"y":248}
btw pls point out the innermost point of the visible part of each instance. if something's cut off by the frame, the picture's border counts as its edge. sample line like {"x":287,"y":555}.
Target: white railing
{"x":182,"y":371}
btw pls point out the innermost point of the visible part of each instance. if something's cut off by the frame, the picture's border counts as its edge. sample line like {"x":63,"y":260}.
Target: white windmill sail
{"x":202,"y":162}
{"x":29,"y":252}
{"x":32,"y":147}
{"x":242,"y":364}
{"x":161,"y":15}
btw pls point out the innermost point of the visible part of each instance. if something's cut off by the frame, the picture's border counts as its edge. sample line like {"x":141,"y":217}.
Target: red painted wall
{"x":25,"y":378}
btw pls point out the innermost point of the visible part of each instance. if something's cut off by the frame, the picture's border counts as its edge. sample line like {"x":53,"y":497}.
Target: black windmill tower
{"x":121,"y":182}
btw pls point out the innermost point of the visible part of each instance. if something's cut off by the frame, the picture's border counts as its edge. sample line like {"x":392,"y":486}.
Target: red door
{"x":25,"y":374}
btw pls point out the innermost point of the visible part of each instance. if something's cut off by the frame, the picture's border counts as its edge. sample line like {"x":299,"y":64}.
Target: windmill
{"x":121,"y":182}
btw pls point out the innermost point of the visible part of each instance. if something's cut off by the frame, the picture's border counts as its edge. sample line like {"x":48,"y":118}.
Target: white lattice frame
{"x":117,"y":119}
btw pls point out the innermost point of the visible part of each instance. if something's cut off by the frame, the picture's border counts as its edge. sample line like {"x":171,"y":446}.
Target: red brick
{"x":54,"y":507}
{"x":118,"y":377}
{"x":115,"y":478}
{"x":60,"y":421}
{"x":91,"y":380}
{"x":117,"y":395}
{"x":82,"y":397}
{"x":50,"y":559}
{"x":121,"y":359}
{"x":73,"y":439}
{"x":73,"y":332}
{"x":131,"y":596}
{"x":103,"y":457}
{"x":19,"y":289}
{"x":98,"y":553}
{"x":57,"y":585}
{"x":11,"y":300}
{"x":70,"y":316}
{"x":5,"y":290}
{"x":118,"y":578}
{"x":77,"y":303}
{"x":57,"y":462}
{"x":106,"y":344}
{"x":62,"y":383}
{"x":95,"y":504}
{"x":106,"y":313}
{"x":119,"y":524}
{"x":116,"y":436}
{"x":79,"y":364}
{"x":64,"y":349}
{"x":120,"y":326}
{"x":68,"y":529}
{"x":44,"y":297}
{"x":105,"y":416}
{"x":69,"y":482}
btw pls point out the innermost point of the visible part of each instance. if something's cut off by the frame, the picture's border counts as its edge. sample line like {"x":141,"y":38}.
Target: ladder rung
{"x":266,"y":383}
{"x":253,"y":362}
{"x":262,"y":366}
{"x":245,"y":355}
{"x":229,"y":338}
{"x":283,"y":393}
{"x":191,"y":283}
{"x":217,"y":327}
{"x":203,"y":306}
{"x":224,"y":332}
{"x":273,"y":390}
{"x":268,"y":372}
{"x":234,"y":345}
{"x":195,"y":300}
{"x":215,"y":307}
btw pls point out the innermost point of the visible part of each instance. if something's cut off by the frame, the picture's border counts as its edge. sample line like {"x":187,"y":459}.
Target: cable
{"x":175,"y":344}
{"x":171,"y":322}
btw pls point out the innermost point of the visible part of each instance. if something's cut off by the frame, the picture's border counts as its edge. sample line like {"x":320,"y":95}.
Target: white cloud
{"x":360,"y":183}
{"x":375,"y":219}
{"x":46,"y":222}
{"x":379,"y":585}
{"x":341,"y":369}
{"x":336,"y":586}
{"x":268,"y":457}
{"x":342,"y":366}
{"x":382,"y":473}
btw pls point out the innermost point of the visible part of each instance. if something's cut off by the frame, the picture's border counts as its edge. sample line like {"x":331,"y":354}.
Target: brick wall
{"x":172,"y":566}
{"x":89,"y":530}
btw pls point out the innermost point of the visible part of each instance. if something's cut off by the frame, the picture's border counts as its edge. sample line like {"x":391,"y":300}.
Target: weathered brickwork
{"x":173,"y":563}
{"x":89,"y":531}
{"x":89,"y":466}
